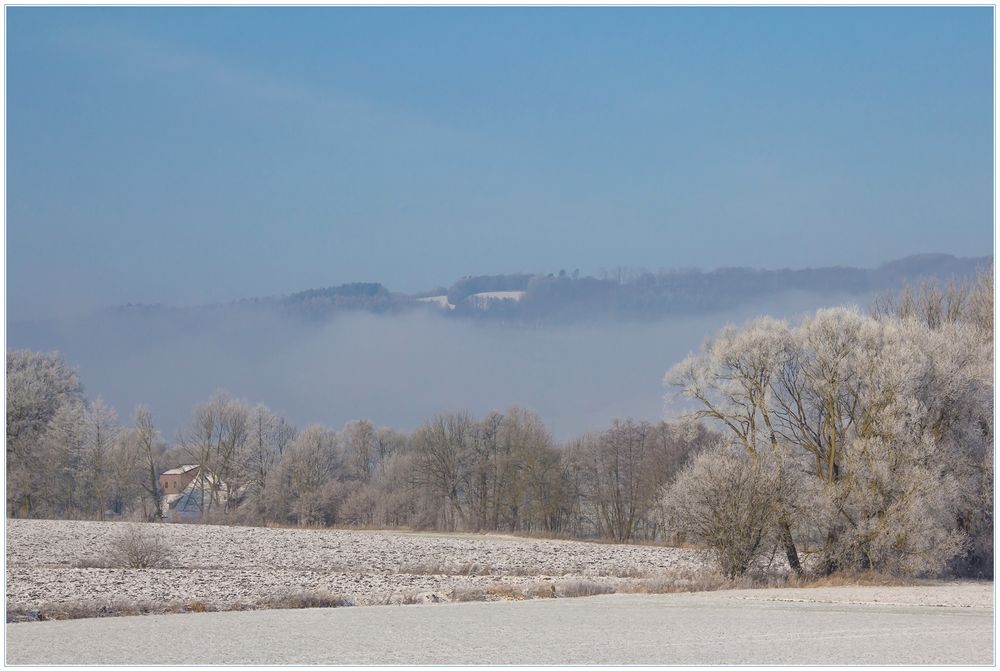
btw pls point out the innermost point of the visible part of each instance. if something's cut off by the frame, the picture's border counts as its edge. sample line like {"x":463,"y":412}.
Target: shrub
{"x":573,"y":588}
{"x":137,"y":547}
{"x":507,"y":592}
{"x":546,"y":590}
{"x":468,"y":594}
{"x":727,"y":500}
{"x":306,"y":599}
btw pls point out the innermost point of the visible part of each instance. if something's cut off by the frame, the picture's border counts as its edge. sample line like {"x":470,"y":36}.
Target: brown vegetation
{"x":125,"y":607}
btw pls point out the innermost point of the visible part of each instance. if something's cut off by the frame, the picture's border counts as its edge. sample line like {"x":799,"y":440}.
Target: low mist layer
{"x":396,"y":370}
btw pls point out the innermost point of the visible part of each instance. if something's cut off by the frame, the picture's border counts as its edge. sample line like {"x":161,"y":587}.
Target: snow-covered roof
{"x":180,"y":470}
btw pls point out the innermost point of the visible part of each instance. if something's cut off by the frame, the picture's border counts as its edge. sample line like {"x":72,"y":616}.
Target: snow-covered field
{"x":483,"y":299}
{"x":225,"y":566}
{"x":500,"y":295}
{"x":941,"y":624}
{"x":440,"y":301}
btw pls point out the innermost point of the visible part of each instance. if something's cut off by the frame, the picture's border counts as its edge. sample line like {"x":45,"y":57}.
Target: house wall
{"x":175,"y":483}
{"x":187,"y":507}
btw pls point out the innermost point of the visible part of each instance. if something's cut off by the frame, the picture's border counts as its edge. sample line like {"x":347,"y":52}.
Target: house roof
{"x":180,"y":470}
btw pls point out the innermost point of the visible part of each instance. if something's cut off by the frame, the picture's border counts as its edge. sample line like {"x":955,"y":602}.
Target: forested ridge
{"x":625,"y":293}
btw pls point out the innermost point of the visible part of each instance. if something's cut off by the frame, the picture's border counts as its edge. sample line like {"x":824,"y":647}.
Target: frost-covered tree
{"x":57,"y":487}
{"x":728,"y":501}
{"x":96,"y":471}
{"x":218,"y":440}
{"x":127,"y":477}
{"x":299,"y":492}
{"x":935,"y":303}
{"x":360,"y":450}
{"x":612,"y":479}
{"x":269,"y":437}
{"x":733,"y":380}
{"x":142,"y":444}
{"x":38,"y":387}
{"x":892,"y":415}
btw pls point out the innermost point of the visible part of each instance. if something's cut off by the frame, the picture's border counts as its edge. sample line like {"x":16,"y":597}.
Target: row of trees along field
{"x":863,"y":441}
{"x":69,"y":458}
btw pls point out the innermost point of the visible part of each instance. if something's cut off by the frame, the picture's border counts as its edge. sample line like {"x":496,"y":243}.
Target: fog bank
{"x":394,"y":370}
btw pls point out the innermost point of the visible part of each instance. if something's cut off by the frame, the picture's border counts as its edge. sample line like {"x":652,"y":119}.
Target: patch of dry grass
{"x":506,"y":592}
{"x":479,"y":569}
{"x":707,"y":581}
{"x":626,"y":572}
{"x":413,"y":597}
{"x":851,"y":579}
{"x":545,"y":590}
{"x":119,"y":608}
{"x":577,"y":588}
{"x":306,"y":599}
{"x":461,"y":594}
{"x":122,"y":607}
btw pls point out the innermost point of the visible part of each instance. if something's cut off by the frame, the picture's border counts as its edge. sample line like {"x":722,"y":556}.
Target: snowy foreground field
{"x":246,"y":570}
{"x":950,"y":624}
{"x":233,"y":567}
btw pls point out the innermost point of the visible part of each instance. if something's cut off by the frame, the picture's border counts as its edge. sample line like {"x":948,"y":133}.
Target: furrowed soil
{"x":226,"y":567}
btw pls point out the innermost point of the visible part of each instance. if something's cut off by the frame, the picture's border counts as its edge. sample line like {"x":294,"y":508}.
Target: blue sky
{"x":190,"y":155}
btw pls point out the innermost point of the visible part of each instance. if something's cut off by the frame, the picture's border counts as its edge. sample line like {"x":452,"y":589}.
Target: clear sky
{"x":187,"y":155}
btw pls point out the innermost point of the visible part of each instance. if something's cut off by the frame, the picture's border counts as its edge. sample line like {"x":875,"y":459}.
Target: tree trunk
{"x":154,"y":490}
{"x":790,"y":552}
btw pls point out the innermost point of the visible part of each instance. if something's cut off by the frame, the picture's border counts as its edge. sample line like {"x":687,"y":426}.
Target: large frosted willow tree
{"x":733,"y":379}
{"x":886,"y":419}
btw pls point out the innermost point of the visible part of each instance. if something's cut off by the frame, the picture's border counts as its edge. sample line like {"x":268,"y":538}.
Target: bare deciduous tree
{"x":144,"y":441}
{"x":440,"y":449}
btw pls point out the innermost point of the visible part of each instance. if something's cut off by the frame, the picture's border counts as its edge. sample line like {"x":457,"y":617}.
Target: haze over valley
{"x":579,"y":352}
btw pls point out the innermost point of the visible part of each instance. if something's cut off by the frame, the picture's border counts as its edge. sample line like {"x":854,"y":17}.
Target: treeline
{"x":69,"y":458}
{"x":866,"y":440}
{"x":636,"y":294}
{"x":618,"y":293}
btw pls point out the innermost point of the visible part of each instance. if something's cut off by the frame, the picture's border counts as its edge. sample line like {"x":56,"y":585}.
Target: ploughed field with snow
{"x":232,"y":567}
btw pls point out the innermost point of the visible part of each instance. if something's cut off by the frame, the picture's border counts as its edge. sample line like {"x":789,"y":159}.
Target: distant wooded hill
{"x":623,"y":293}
